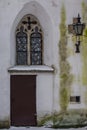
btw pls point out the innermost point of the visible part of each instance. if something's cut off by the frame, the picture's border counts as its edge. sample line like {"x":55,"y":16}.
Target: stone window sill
{"x":75,"y":102}
{"x":31,"y":68}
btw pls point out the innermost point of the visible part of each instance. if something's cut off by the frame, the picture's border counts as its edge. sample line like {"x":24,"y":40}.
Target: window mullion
{"x":28,"y":49}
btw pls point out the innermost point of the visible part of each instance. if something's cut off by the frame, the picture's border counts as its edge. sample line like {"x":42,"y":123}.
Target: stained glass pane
{"x":36,"y":35}
{"x":36,"y":48}
{"x":21,"y":43}
{"x":21,"y":47}
{"x":21,"y":58}
{"x":36,"y":58}
{"x":21,"y":40}
{"x":35,"y":44}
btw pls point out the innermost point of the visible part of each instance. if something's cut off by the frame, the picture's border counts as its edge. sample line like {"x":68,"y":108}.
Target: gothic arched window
{"x":29,"y":41}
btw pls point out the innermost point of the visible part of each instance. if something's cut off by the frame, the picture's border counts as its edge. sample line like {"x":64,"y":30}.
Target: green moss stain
{"x":84,"y":46}
{"x":4,"y":124}
{"x":65,"y":76}
{"x":84,"y":49}
{"x":84,"y":9}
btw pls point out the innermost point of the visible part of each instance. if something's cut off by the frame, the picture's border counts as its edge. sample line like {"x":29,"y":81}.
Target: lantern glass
{"x":78,"y":29}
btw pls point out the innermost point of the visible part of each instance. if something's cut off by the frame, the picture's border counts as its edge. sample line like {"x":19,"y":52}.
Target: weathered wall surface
{"x":69,"y":77}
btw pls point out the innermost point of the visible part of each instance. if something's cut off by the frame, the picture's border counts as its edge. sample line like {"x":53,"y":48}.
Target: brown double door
{"x":23,"y":100}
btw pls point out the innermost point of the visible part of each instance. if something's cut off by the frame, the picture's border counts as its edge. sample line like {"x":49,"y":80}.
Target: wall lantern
{"x":77,"y":29}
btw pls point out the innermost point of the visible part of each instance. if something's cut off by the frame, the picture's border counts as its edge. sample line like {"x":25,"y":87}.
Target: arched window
{"x":29,"y":41}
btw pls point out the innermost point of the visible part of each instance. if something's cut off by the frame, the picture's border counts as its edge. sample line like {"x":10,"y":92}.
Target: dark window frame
{"x":75,"y":99}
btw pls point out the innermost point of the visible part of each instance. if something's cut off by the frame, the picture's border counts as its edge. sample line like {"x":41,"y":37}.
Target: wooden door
{"x":23,"y":100}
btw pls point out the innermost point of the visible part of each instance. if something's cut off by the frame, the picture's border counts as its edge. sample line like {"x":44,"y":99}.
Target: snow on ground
{"x":42,"y":128}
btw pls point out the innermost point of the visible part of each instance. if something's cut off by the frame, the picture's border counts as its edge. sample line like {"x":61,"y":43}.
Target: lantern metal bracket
{"x":77,"y":47}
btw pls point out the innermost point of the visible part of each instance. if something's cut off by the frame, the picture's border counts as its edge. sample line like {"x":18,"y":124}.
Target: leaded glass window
{"x":29,"y":41}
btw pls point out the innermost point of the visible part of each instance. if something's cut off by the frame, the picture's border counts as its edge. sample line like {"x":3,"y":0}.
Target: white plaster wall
{"x":44,"y":94}
{"x":48,"y":13}
{"x":77,"y":89}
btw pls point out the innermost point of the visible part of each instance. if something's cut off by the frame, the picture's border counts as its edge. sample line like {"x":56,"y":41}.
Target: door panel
{"x":23,"y":100}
